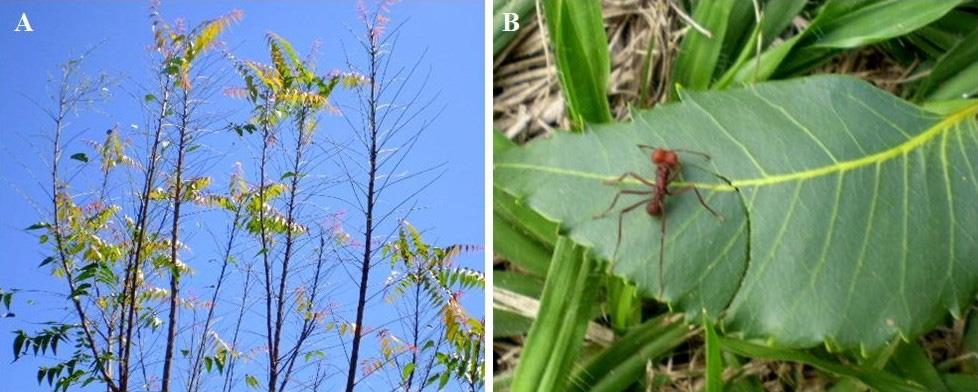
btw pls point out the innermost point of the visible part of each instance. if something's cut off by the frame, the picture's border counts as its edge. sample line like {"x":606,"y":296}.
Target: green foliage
{"x":61,"y":375}
{"x":954,"y":73}
{"x":839,"y":25}
{"x":620,"y":365}
{"x":878,"y":380}
{"x":287,"y":85}
{"x":251,"y":381}
{"x":261,"y":215}
{"x":699,"y":54}
{"x":81,"y":157}
{"x":580,"y":46}
{"x":179,"y":49}
{"x":431,"y":268}
{"x":846,"y":163}
{"x":558,"y":333}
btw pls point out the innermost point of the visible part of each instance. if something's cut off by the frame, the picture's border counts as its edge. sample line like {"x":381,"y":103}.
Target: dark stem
{"x":266,"y":262}
{"x":171,"y":334}
{"x":135,"y":256}
{"x":417,"y":320}
{"x":289,"y":241}
{"x":59,"y":238}
{"x":369,"y":226}
{"x":195,"y":368}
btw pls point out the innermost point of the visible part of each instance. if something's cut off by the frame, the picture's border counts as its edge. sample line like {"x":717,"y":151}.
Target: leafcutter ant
{"x":667,"y":169}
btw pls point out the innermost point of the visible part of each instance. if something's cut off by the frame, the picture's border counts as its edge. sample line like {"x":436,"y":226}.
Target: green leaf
{"x":252,"y":381}
{"x":874,"y":22}
{"x":500,"y":142}
{"x":443,"y":380}
{"x":39,"y":225}
{"x":506,"y":323}
{"x":849,"y":213}
{"x":46,"y":261}
{"x":874,"y":378}
{"x":714,"y":361}
{"x":80,"y":157}
{"x":954,"y":73}
{"x":406,"y":371}
{"x":513,"y":244}
{"x":961,"y":382}
{"x":777,"y":16}
{"x":558,"y":332}
{"x":911,"y":361}
{"x":580,"y":46}
{"x":845,"y":24}
{"x":622,"y":364}
{"x":840,"y":24}
{"x":698,"y":53}
{"x":969,"y":344}
{"x":19,"y":343}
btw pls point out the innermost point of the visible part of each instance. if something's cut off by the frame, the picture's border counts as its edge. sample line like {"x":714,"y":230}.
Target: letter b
{"x":511,"y":21}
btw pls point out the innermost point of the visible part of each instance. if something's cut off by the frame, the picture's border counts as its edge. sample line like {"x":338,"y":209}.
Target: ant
{"x":667,"y":169}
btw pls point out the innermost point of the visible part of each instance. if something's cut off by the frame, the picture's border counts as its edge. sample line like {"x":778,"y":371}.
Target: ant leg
{"x":703,"y":202}
{"x":621,"y":217}
{"x":633,"y":175}
{"x":615,"y":200}
{"x":662,"y":247}
{"x":701,"y":199}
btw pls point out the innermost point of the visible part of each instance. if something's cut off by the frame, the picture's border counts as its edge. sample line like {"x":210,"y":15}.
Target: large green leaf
{"x":850,"y":215}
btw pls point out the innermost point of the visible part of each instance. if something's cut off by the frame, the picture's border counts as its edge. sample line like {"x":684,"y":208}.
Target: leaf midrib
{"x":940,"y":128}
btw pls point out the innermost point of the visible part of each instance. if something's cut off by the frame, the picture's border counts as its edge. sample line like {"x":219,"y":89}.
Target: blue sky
{"x":450,"y":211}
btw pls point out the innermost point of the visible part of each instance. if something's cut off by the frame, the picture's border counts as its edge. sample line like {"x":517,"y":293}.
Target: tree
{"x":155,"y":309}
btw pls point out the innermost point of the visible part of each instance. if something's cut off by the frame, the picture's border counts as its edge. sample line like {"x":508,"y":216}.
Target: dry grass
{"x":526,"y":94}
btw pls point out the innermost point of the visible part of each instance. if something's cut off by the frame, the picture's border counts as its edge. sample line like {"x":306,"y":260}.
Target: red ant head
{"x":661,"y":156}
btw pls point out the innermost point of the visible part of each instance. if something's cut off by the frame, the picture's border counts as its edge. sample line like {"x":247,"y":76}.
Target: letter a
{"x":511,"y":21}
{"x":26,"y":24}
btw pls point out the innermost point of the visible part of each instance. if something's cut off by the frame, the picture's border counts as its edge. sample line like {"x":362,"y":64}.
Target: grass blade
{"x":875,"y":22}
{"x":948,"y":79}
{"x":580,"y":45}
{"x":777,"y":16}
{"x":874,"y":378}
{"x":558,"y":333}
{"x":623,"y":363}
{"x":912,"y":362}
{"x":714,"y":360}
{"x":699,"y":53}
{"x":515,"y":246}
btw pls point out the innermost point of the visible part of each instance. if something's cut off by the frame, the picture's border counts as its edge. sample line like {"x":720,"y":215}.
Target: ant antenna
{"x":704,"y":155}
